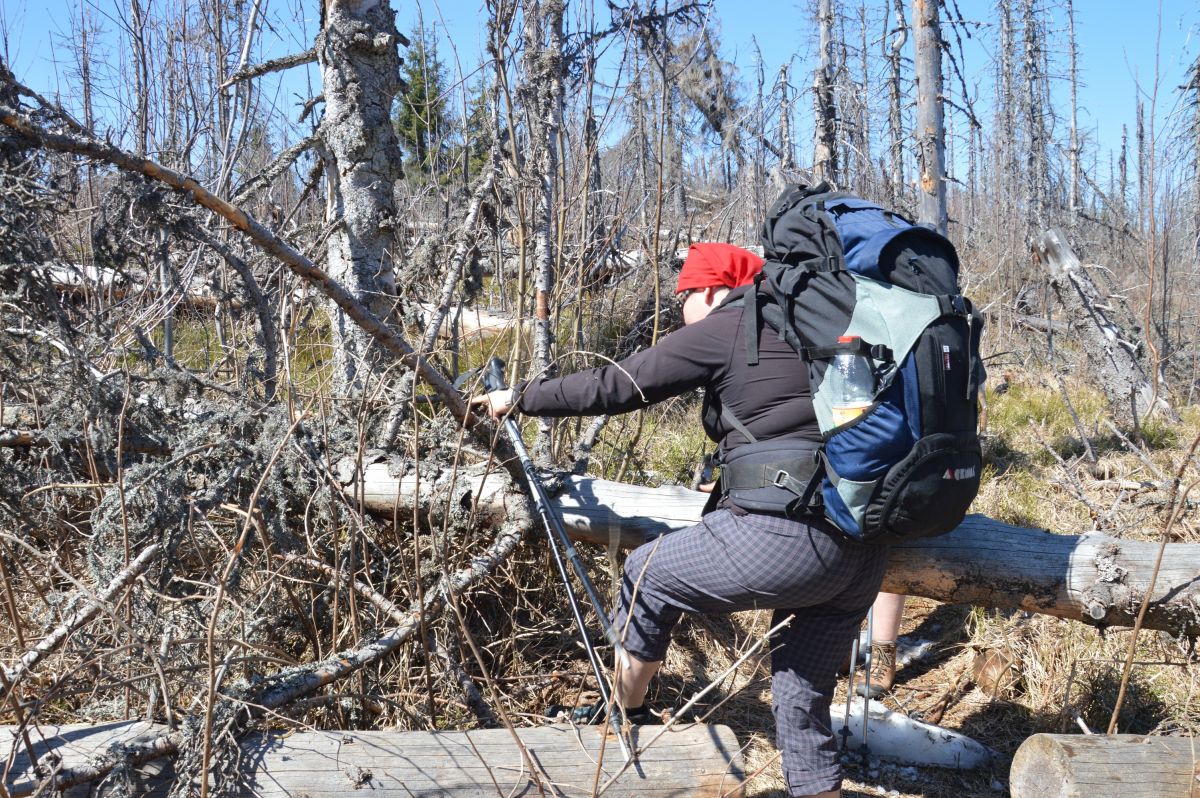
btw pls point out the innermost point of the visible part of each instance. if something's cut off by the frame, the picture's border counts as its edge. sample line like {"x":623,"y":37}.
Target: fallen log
{"x":593,"y":510}
{"x":693,"y":760}
{"x":473,"y":323}
{"x":1042,"y":325}
{"x":1104,"y":326}
{"x":1093,"y":578}
{"x":1098,"y":766}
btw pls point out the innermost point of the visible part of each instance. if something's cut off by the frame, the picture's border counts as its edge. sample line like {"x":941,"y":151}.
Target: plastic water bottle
{"x":853,"y":383}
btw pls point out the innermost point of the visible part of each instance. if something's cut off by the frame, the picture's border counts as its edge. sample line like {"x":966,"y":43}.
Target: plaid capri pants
{"x":728,"y":563}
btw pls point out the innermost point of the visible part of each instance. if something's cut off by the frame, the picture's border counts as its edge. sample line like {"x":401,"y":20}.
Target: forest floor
{"x":1045,"y":467}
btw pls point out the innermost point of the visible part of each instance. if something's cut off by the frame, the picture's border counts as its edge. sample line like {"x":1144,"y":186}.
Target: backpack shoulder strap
{"x":732,"y":420}
{"x":750,"y":322}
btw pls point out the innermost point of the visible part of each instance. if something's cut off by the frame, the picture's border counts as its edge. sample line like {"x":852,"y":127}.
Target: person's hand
{"x":707,"y":487}
{"x":497,"y":403}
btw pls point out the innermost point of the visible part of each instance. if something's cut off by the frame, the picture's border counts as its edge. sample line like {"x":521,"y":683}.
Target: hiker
{"x":738,"y":557}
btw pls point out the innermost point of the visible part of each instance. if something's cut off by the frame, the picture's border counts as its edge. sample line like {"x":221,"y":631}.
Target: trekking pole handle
{"x":493,"y":375}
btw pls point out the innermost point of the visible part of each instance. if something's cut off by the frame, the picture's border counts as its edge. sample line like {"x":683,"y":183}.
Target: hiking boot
{"x":883,"y":670}
{"x":585,"y":714}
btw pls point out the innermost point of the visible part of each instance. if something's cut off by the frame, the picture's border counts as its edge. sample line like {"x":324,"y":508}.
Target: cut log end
{"x":1094,"y":766}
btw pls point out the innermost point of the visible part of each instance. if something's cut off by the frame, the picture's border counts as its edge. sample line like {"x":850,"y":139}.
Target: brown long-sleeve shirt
{"x":772,"y":399}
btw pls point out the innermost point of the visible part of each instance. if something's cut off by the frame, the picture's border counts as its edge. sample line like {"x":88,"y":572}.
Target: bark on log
{"x":1096,"y":766}
{"x":694,"y":760}
{"x":593,"y":510}
{"x":1093,"y":578}
{"x":1105,"y":329}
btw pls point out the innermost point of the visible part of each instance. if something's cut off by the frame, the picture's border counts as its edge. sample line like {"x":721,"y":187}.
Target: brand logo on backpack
{"x":960,"y":473}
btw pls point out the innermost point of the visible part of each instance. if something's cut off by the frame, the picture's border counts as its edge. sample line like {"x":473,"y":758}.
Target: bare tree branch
{"x":274,"y":65}
{"x":81,"y":617}
{"x":384,"y":334}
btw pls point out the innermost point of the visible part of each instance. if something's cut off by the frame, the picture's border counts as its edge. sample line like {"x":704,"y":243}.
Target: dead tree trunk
{"x":825,"y":151}
{"x":360,"y":72}
{"x":1035,"y":155}
{"x":1105,"y":329}
{"x":1072,"y":49}
{"x":1193,"y":89}
{"x":1006,"y":170}
{"x":863,"y":92}
{"x":892,"y":53}
{"x":543,"y":97}
{"x":1141,"y":163}
{"x":1092,"y":578}
{"x":788,"y":159}
{"x":931,"y":133}
{"x":1085,"y":766}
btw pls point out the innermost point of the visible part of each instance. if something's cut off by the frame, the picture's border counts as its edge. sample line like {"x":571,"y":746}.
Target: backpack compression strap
{"x":877,"y":352}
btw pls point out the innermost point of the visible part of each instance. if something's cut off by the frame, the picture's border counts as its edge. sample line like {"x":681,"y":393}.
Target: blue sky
{"x":1118,"y":43}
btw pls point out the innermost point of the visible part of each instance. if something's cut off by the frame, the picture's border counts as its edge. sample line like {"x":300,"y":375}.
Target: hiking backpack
{"x":837,"y":265}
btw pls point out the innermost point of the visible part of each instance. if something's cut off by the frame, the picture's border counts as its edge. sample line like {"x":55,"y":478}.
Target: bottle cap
{"x":847,"y":339}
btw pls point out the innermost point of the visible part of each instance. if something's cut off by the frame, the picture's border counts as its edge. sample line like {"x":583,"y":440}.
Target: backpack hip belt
{"x":772,"y":476}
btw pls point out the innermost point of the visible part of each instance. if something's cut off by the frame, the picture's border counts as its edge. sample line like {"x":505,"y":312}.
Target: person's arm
{"x":682,"y":361}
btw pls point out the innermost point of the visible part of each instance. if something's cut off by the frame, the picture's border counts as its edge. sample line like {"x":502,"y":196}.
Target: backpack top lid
{"x":810,"y":223}
{"x":794,"y":236}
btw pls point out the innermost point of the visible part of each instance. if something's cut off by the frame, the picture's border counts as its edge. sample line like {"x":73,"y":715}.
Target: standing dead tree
{"x":825,"y":149}
{"x":542,"y":94}
{"x":931,"y":131}
{"x":786,"y":145}
{"x":360,"y":71}
{"x":893,"y":49}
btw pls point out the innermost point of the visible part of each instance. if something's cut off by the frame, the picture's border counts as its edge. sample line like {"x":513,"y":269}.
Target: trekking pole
{"x":493,"y":380}
{"x":845,"y":731}
{"x":867,"y":679}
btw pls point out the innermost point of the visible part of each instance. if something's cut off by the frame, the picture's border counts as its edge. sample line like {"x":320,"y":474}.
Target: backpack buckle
{"x":959,"y":303}
{"x":781,"y":479}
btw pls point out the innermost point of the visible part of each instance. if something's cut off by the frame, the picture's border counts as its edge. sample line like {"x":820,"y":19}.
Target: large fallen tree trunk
{"x":1094,"y":578}
{"x":1094,"y":766}
{"x":1104,"y":327}
{"x":692,"y":760}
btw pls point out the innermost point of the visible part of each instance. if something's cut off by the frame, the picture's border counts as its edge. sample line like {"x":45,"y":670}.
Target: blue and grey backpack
{"x":909,"y":466}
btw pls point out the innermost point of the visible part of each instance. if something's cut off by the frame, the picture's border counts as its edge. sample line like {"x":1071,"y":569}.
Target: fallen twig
{"x":81,"y":617}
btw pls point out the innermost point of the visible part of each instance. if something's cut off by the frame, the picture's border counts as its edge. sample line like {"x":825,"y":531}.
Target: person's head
{"x":709,"y":273}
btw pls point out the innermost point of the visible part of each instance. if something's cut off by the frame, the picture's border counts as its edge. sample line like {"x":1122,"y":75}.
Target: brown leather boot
{"x":883,"y":669}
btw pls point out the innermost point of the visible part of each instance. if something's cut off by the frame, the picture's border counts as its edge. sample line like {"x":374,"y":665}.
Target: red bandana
{"x":717,"y":265}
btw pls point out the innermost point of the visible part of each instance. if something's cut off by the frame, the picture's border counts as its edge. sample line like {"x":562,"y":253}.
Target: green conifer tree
{"x":422,"y":124}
